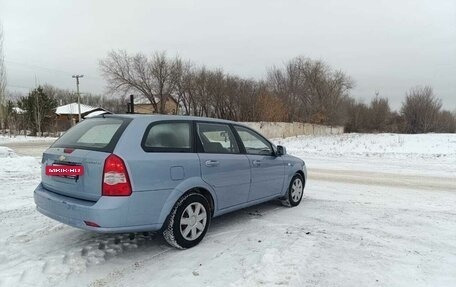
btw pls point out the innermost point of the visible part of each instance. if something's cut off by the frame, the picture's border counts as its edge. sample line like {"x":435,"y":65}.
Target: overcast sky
{"x":385,"y":46}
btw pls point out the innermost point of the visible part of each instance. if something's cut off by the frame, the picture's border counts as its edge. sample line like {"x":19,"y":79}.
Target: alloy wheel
{"x":193,"y":221}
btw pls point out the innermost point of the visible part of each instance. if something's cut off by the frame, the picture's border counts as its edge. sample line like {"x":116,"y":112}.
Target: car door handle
{"x":210,"y":163}
{"x":256,"y":162}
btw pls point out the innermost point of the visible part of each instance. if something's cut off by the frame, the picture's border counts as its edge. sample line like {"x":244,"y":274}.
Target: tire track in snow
{"x":384,"y":179}
{"x":53,"y":267}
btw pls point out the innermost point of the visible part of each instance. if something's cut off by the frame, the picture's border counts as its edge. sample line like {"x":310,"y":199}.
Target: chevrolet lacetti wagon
{"x":162,"y":173}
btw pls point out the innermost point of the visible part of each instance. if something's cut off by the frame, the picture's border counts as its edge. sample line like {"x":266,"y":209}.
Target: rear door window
{"x":168,"y":137}
{"x":99,"y":134}
{"x":217,"y":138}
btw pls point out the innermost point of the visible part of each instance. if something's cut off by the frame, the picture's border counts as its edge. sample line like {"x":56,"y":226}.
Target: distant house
{"x":68,"y":115}
{"x":144,"y":106}
{"x":18,"y":110}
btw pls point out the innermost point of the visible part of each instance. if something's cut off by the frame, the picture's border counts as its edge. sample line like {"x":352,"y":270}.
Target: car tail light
{"x":91,"y":223}
{"x":115,"y":177}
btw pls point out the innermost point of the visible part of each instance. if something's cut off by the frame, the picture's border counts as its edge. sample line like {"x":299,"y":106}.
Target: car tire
{"x":188,"y":221}
{"x":295,"y":191}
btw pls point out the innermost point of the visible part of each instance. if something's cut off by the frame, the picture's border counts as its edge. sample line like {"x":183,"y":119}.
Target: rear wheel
{"x":188,"y":221}
{"x":295,"y":191}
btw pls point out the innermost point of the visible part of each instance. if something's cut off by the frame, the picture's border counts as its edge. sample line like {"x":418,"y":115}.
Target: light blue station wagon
{"x":163,"y":173}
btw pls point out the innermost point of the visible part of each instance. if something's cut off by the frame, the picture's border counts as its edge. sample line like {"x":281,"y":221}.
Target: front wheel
{"x":188,"y":221}
{"x":295,"y":191}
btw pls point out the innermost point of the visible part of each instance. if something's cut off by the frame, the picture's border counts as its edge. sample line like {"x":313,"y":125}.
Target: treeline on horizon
{"x":301,"y":90}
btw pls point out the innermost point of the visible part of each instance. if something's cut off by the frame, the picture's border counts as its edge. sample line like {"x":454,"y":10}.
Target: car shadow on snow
{"x":96,"y":248}
{"x":58,"y":251}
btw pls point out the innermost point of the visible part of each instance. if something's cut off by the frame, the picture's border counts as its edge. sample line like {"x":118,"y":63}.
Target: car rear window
{"x":100,"y":134}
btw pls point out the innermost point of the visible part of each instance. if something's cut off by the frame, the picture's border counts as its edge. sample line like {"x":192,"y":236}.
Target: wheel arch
{"x":184,"y":188}
{"x":206,"y":193}
{"x":301,"y":173}
{"x":288,"y":178}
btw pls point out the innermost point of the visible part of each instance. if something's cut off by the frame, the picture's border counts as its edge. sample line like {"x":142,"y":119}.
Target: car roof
{"x":159,"y":117}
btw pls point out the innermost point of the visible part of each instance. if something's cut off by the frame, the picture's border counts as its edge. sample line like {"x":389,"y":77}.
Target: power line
{"x":36,"y":67}
{"x":17,"y":86}
{"x":65,"y":89}
{"x":33,"y":66}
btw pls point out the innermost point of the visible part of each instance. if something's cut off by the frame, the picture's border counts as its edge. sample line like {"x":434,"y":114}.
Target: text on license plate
{"x":65,"y":170}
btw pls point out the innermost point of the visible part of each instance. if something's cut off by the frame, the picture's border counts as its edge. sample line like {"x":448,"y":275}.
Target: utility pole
{"x":79,"y":96}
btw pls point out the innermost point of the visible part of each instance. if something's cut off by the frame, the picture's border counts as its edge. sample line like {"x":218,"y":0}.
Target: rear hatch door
{"x":87,"y":144}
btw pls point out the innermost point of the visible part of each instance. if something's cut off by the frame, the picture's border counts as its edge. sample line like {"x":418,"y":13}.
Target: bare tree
{"x":165,"y":74}
{"x":154,"y":77}
{"x":446,"y":122}
{"x":202,"y":103}
{"x":214,"y":93}
{"x":269,"y":107}
{"x":287,"y":84}
{"x":62,"y":96}
{"x":184,"y":85}
{"x":379,"y":114}
{"x":358,"y":115}
{"x":217,"y":93}
{"x":311,"y":90}
{"x":246,"y":103}
{"x":420,"y":110}
{"x":2,"y":82}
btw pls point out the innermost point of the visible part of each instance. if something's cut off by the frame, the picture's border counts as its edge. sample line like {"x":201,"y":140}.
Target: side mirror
{"x":281,"y":150}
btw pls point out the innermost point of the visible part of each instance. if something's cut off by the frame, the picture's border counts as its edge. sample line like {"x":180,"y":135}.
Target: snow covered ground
{"x":5,"y":139}
{"x":423,"y":154}
{"x":30,"y":146}
{"x":378,"y":211}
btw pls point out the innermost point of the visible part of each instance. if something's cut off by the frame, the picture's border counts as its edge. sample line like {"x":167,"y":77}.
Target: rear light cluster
{"x":91,"y":223}
{"x":115,"y":177}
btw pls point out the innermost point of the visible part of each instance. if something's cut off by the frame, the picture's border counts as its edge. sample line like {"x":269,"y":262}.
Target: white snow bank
{"x":4,"y":139}
{"x":424,"y":154}
{"x":19,"y":175}
{"x":6,"y":152}
{"x":377,"y":145}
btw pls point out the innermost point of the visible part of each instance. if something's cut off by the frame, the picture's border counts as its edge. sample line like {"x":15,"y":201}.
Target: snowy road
{"x":384,"y":179}
{"x":35,"y":149}
{"x":370,"y":226}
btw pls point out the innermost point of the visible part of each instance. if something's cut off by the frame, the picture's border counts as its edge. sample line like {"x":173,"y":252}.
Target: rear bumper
{"x":110,"y":213}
